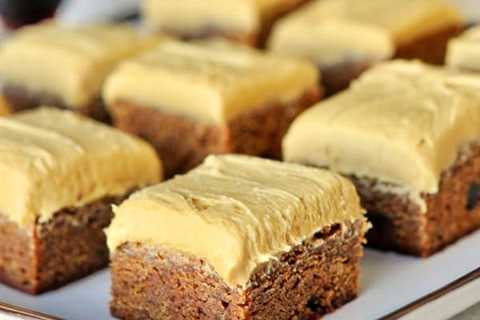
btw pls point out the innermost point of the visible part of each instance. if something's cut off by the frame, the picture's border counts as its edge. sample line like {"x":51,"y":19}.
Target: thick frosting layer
{"x":210,"y":81}
{"x":464,"y":51}
{"x":335,"y":31}
{"x":51,"y":160}
{"x":236,"y":212}
{"x":192,"y":17}
{"x":336,"y":40}
{"x":401,"y":123}
{"x":70,"y":63}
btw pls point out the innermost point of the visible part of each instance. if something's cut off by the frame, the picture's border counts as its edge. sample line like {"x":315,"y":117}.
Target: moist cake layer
{"x":52,"y":159}
{"x":20,"y":98}
{"x":223,"y":80}
{"x":338,"y":77}
{"x":464,"y":51}
{"x":68,"y":246}
{"x":430,"y":48}
{"x":69,"y":63}
{"x":236,"y":212}
{"x":401,"y":123}
{"x":183,"y":143}
{"x":313,"y":278}
{"x":400,"y":224}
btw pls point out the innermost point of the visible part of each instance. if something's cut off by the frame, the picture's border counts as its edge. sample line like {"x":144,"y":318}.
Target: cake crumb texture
{"x":312,"y":279}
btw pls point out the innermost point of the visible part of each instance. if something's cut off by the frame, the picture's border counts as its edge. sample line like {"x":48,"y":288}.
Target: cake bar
{"x":464,"y":51}
{"x":65,"y":66}
{"x":345,"y":37}
{"x":191,"y":100}
{"x":246,"y":21}
{"x":237,"y":238}
{"x":60,"y":174}
{"x":408,"y":136}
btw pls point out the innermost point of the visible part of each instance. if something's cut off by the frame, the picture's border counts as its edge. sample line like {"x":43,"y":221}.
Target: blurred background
{"x":16,"y":13}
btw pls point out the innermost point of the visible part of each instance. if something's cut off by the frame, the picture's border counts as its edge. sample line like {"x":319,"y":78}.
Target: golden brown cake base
{"x":398,"y":223}
{"x":312,"y":279}
{"x":184,"y":143}
{"x":19,"y":98}
{"x":338,"y":77}
{"x":48,"y":255}
{"x":431,"y":48}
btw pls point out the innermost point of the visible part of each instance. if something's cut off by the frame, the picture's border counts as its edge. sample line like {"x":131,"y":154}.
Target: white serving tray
{"x":390,"y":282}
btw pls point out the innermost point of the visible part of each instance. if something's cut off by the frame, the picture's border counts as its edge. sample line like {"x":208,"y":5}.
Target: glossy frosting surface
{"x":210,"y":81}
{"x":402,"y":123}
{"x":236,"y":212}
{"x":464,"y":51}
{"x":52,"y":159}
{"x":70,"y":63}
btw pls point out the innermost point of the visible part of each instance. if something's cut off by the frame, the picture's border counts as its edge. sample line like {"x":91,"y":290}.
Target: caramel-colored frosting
{"x":402,"y":123}
{"x":193,"y":17}
{"x":236,"y":212}
{"x":70,"y":63}
{"x":52,"y":159}
{"x":210,"y":81}
{"x":334,"y":31}
{"x":464,"y":51}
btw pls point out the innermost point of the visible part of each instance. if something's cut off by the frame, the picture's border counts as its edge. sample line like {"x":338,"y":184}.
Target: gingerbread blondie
{"x":61,"y":173}
{"x":191,"y":100}
{"x":238,"y":238}
{"x":65,"y":66}
{"x":408,"y":136}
